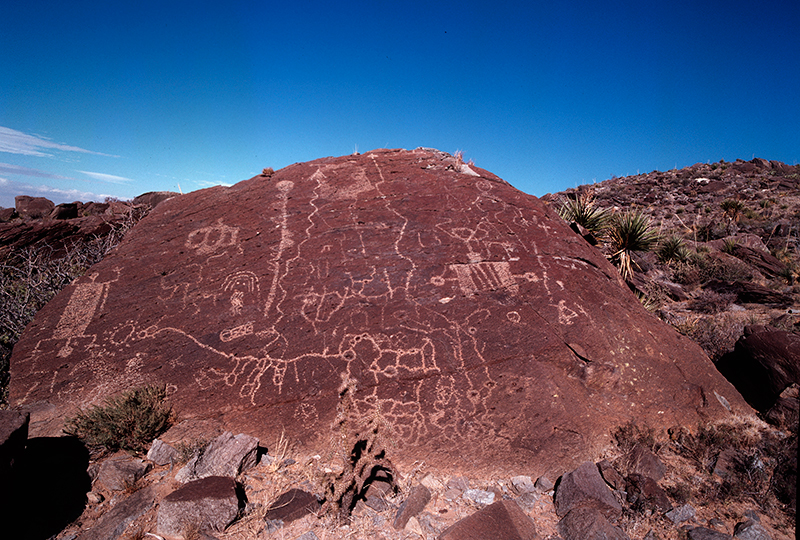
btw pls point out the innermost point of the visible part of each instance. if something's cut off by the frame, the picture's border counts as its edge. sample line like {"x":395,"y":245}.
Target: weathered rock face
{"x":465,"y":314}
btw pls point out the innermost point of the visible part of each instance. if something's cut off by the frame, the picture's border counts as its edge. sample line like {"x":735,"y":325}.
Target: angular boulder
{"x":457,"y":310}
{"x":503,"y":519}
{"x":33,"y":207}
{"x":584,"y":487}
{"x":210,"y":503}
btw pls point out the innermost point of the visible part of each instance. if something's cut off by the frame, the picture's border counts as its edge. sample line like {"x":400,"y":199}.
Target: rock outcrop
{"x":403,"y":287}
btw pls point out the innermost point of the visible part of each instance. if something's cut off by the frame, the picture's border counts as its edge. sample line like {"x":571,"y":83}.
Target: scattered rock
{"x":162,"y":453}
{"x":480,"y":497}
{"x":611,"y":475}
{"x":584,"y":487}
{"x":227,"y":455}
{"x":645,"y":492}
{"x":544,"y":484}
{"x":750,"y":530}
{"x":413,"y":505}
{"x":209,"y":503}
{"x":703,"y":533}
{"x":502,"y":519}
{"x":522,"y":484}
{"x":115,"y":521}
{"x":642,"y":461}
{"x":588,"y":523}
{"x":681,"y":514}
{"x":120,"y":472}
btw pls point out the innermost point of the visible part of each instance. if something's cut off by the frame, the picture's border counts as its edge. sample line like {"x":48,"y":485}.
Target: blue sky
{"x":119,"y":98}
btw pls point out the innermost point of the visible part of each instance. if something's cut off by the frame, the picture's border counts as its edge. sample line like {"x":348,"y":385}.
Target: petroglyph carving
{"x":233,"y":333}
{"x":210,"y":239}
{"x":485,"y":276}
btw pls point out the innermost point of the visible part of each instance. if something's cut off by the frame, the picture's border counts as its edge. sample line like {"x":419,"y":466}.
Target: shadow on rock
{"x":47,"y":490}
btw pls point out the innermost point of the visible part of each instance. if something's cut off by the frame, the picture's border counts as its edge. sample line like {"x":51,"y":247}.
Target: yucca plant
{"x":584,"y":211}
{"x":673,"y":248}
{"x":629,"y":232}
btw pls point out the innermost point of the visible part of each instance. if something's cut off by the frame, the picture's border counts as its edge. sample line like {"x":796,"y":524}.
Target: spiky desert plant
{"x":128,"y":421}
{"x":629,"y":232}
{"x":583,"y":210}
{"x":673,"y":248}
{"x":733,"y":208}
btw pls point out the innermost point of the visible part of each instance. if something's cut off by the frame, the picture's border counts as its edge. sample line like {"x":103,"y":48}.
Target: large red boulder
{"x":406,"y":288}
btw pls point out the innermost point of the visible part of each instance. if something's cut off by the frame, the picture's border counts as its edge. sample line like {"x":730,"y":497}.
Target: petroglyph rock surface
{"x":468,"y":317}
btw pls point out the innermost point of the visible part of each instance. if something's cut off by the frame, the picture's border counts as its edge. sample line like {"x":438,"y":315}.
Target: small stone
{"x":431,"y":483}
{"x":702,"y":533}
{"x":522,"y":484}
{"x":750,"y":530}
{"x":308,"y":536}
{"x":161,"y":453}
{"x":458,"y":482}
{"x":413,"y":505}
{"x":544,"y":484}
{"x":528,"y":500}
{"x":611,"y":475}
{"x":681,"y":514}
{"x":94,"y":498}
{"x":479,"y":496}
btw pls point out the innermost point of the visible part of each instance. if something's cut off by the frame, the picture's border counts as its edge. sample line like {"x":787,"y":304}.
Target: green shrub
{"x":128,"y":421}
{"x":733,"y":208}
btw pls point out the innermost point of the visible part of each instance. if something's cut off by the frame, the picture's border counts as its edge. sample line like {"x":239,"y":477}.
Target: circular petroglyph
{"x":513,"y":316}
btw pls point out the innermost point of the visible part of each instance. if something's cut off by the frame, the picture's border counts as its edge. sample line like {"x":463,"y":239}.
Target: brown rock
{"x":153,"y":198}
{"x":451,"y":303}
{"x":226,"y":455}
{"x":292,"y":505}
{"x":747,"y":292}
{"x":785,"y":413}
{"x":611,"y":475}
{"x":33,"y":207}
{"x":120,"y":472}
{"x":7,"y":214}
{"x":413,"y":505}
{"x":762,"y":365}
{"x":65,"y":211}
{"x":209,"y":503}
{"x":585,"y":487}
{"x":115,"y":521}
{"x":501,"y":520}
{"x":642,"y":461}
{"x":586,"y":523}
{"x":644,"y":491}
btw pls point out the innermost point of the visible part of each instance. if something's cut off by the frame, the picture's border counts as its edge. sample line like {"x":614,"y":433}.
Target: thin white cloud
{"x":207,"y":184}
{"x":17,"y":142}
{"x":9,"y":189}
{"x":103,"y":177}
{"x":8,"y":168}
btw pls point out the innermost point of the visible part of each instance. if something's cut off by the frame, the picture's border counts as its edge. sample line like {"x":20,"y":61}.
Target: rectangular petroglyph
{"x":79,"y":311}
{"x":482,"y":276}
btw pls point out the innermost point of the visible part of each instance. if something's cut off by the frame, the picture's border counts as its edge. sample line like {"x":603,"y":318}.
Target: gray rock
{"x":308,"y":536}
{"x":750,"y":530}
{"x":587,"y":523}
{"x":522,"y":484}
{"x":227,"y":455}
{"x":543,"y":483}
{"x":209,"y":503}
{"x":681,"y":514}
{"x":479,"y":496}
{"x":113,"y":523}
{"x":120,"y":472}
{"x":702,"y":533}
{"x":500,"y":520}
{"x":413,"y":505}
{"x":161,"y":453}
{"x":585,"y":487}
